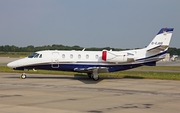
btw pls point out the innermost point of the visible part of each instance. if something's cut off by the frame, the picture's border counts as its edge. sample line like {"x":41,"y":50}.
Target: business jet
{"x":94,"y":62}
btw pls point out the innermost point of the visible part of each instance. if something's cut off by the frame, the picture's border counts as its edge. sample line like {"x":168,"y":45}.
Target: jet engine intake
{"x":119,"y":57}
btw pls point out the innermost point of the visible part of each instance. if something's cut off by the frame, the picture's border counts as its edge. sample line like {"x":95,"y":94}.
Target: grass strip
{"x":170,"y":68}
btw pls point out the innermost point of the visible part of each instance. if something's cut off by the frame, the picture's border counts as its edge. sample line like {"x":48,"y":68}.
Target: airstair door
{"x":55,"y":60}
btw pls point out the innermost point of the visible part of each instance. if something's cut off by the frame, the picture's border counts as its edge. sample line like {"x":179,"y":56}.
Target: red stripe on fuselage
{"x":104,"y":55}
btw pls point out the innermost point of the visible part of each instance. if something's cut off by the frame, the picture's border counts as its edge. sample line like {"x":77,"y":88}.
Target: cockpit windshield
{"x":35,"y":55}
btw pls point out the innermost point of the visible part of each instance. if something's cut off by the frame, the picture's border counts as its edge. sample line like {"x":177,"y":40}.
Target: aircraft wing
{"x":90,"y":69}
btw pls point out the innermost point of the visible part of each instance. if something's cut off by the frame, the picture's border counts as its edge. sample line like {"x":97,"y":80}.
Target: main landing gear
{"x":93,"y":75}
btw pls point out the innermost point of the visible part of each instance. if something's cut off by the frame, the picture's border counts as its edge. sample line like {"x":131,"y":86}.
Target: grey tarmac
{"x":79,"y":94}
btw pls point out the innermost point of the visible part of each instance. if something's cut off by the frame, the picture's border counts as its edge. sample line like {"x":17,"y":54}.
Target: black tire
{"x":89,"y":75}
{"x":23,"y":76}
{"x":96,"y":79}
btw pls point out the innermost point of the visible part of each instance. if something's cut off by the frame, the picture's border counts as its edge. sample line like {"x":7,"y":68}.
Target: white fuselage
{"x":71,"y":60}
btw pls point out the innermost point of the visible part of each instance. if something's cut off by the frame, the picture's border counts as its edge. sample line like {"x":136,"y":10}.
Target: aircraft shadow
{"x":133,"y":77}
{"x":83,"y":78}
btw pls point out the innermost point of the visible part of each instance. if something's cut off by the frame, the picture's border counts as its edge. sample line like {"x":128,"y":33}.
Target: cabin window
{"x":63,"y":55}
{"x":40,"y":56}
{"x":87,"y":56}
{"x":79,"y":56}
{"x":96,"y":56}
{"x":71,"y":56}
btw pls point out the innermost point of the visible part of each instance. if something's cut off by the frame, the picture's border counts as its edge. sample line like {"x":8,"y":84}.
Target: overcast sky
{"x":87,"y":23}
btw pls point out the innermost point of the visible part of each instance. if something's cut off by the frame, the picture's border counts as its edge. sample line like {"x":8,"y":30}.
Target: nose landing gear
{"x":23,"y":75}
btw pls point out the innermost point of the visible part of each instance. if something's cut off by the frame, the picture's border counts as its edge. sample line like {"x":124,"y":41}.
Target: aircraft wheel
{"x":90,"y":75}
{"x":96,"y":78}
{"x":23,"y":76}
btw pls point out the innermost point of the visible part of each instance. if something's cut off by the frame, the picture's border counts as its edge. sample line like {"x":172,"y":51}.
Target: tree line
{"x":31,"y":48}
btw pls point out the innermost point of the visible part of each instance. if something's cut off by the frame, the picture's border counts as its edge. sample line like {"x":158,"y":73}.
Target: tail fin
{"x":161,"y":40}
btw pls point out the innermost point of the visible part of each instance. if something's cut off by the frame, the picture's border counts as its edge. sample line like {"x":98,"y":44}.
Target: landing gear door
{"x":55,"y":60}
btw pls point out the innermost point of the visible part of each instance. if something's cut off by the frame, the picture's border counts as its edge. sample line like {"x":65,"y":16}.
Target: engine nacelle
{"x":118,"y":57}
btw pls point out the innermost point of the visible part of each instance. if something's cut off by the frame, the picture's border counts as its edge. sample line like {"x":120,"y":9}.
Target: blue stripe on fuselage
{"x":71,"y":67}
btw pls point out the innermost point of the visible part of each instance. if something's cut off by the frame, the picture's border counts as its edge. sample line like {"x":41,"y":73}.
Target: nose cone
{"x":12,"y":64}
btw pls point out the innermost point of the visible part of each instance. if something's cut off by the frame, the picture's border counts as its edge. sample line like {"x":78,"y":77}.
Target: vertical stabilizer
{"x":162,"y":39}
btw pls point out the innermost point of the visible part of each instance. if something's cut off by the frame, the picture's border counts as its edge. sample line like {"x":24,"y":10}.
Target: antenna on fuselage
{"x":84,"y":49}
